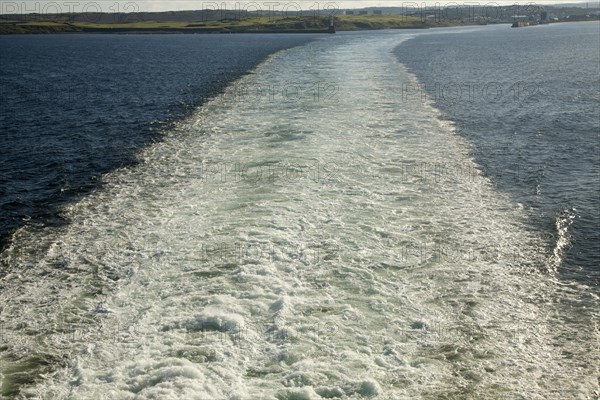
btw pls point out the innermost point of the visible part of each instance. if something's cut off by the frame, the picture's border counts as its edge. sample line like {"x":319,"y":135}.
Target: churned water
{"x":312,"y":232}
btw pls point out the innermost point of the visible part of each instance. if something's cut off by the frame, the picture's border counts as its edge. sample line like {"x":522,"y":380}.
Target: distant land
{"x":295,"y":24}
{"x":236,"y":21}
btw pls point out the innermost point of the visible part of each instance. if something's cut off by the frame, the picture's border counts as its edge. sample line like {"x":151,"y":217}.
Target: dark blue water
{"x":73,"y":107}
{"x":529,"y":101}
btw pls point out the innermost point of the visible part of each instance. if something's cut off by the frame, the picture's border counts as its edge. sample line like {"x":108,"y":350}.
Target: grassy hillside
{"x":255,"y":24}
{"x":369,"y":22}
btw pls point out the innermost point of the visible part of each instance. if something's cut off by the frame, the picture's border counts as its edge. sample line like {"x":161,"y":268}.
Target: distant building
{"x":363,"y":12}
{"x":378,"y":12}
{"x":349,"y":12}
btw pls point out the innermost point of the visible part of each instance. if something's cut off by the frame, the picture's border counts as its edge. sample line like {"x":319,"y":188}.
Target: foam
{"x":358,"y":278}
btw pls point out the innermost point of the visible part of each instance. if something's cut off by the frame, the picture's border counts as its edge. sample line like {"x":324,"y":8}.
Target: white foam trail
{"x":342,"y":245}
{"x":564,"y":239}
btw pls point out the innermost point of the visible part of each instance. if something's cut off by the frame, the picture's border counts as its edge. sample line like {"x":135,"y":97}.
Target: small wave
{"x":564,"y":240}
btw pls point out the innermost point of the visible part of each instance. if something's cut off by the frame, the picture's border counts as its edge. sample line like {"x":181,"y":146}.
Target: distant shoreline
{"x":37,"y":30}
{"x":200,"y":24}
{"x":318,"y":25}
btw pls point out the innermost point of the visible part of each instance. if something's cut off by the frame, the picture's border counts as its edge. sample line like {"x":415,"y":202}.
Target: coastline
{"x":66,"y":28}
{"x":247,"y":25}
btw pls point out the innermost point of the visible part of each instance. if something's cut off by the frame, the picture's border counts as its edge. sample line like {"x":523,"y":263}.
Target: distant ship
{"x":531,"y":21}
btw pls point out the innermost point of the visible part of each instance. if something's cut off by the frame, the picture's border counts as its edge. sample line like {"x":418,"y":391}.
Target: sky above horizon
{"x":110,"y":6}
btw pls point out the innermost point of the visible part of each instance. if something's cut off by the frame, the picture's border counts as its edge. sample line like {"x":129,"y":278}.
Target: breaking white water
{"x":311,"y":233}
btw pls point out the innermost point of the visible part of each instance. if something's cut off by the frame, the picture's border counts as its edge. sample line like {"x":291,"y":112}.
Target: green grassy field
{"x":360,"y":22}
{"x":255,"y":24}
